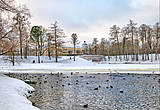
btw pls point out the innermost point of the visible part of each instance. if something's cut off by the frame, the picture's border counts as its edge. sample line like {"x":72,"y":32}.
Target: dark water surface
{"x":94,"y":91}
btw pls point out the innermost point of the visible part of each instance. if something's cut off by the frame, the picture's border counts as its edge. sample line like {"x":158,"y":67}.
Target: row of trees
{"x":43,"y":40}
{"x":17,"y":37}
{"x":130,"y":40}
{"x":13,"y":28}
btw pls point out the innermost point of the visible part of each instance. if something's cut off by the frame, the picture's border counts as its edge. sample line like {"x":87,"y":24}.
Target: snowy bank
{"x":66,"y":65}
{"x":14,"y":93}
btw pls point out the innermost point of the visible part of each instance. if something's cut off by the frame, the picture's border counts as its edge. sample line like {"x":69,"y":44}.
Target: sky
{"x":91,"y":18}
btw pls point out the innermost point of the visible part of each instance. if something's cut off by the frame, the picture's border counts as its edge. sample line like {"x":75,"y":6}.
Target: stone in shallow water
{"x":159,"y":80}
{"x":121,"y":91}
{"x":107,"y":80}
{"x":30,"y":82}
{"x":85,"y":106}
{"x":96,"y":88}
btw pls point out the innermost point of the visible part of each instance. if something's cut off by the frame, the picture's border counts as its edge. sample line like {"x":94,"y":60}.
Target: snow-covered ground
{"x":14,"y":93}
{"x":65,"y":64}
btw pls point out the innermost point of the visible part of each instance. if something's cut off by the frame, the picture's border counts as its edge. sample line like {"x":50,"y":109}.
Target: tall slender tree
{"x":20,"y":20}
{"x":157,"y":35}
{"x":149,"y":42}
{"x":131,"y":29}
{"x":143,"y":36}
{"x":35,"y":35}
{"x":124,"y":33}
{"x":102,"y":46}
{"x":114,"y":32}
{"x":49,"y":36}
{"x":58,"y":37}
{"x":95,"y":45}
{"x":75,"y":41}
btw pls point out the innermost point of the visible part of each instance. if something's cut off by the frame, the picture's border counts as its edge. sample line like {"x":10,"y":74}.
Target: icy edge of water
{"x":14,"y":93}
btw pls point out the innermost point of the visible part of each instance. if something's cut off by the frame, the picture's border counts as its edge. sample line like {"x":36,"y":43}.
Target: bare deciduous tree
{"x":95,"y":45}
{"x":58,"y":36}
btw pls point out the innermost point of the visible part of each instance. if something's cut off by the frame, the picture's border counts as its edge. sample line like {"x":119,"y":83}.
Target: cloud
{"x":91,"y":18}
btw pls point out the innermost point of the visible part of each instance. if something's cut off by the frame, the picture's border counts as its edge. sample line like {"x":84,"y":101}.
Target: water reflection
{"x":94,"y":91}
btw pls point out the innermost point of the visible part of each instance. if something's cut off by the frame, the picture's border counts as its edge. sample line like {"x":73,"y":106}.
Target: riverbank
{"x":14,"y":93}
{"x":109,"y":91}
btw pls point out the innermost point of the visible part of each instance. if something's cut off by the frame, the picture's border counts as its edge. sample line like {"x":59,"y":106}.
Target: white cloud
{"x":91,"y":18}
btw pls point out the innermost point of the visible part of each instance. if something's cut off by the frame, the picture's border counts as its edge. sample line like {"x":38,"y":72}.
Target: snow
{"x":66,"y":64}
{"x":14,"y":93}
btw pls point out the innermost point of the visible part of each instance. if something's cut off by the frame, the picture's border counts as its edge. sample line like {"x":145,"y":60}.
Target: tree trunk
{"x":26,"y":50}
{"x":38,"y":52}
{"x":56,"y":45}
{"x":74,"y":52}
{"x":123,"y":50}
{"x":95,"y":50}
{"x":157,"y":43}
{"x":142,"y":50}
{"x":119,"y":52}
{"x":151,"y":54}
{"x":49,"y":50}
{"x":12,"y":58}
{"x":137,"y":53}
{"x":20,"y":38}
{"x":108,"y":53}
{"x":132,"y":47}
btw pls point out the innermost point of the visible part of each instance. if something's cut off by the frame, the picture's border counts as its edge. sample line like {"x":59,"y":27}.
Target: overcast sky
{"x":91,"y":18}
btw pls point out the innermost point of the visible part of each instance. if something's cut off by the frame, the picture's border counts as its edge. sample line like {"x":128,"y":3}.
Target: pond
{"x":94,"y":91}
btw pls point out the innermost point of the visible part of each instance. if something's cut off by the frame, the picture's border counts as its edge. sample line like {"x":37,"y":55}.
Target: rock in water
{"x":96,"y":88}
{"x":85,"y":106}
{"x":121,"y":91}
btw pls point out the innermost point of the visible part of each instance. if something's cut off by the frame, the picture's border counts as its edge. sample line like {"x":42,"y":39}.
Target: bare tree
{"x":49,"y":36}
{"x":149,"y":42}
{"x":58,"y":35}
{"x":102,"y":46}
{"x":157,"y":35}
{"x":114,"y":32}
{"x":131,"y":30}
{"x":8,"y":5}
{"x":20,"y":23}
{"x":95,"y":45}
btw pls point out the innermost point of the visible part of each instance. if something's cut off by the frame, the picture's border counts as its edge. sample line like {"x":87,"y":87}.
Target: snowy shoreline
{"x":66,"y":65}
{"x":14,"y":93}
